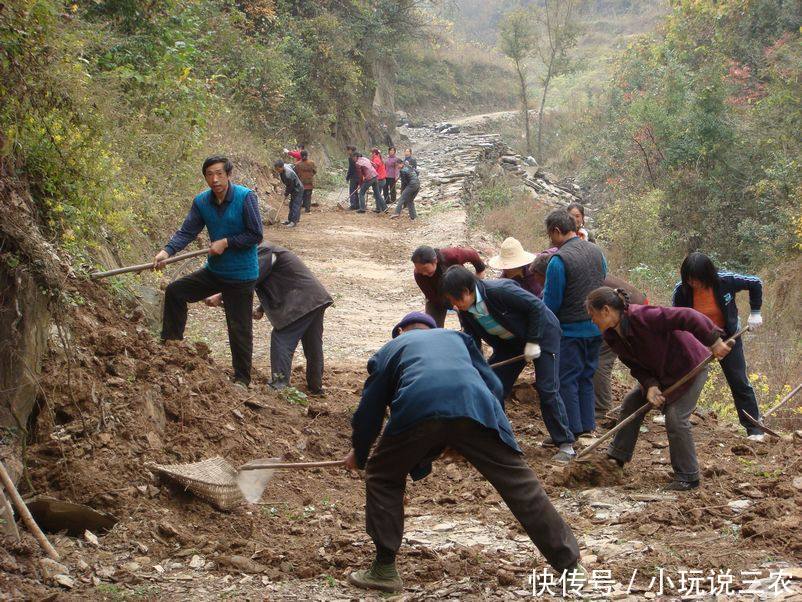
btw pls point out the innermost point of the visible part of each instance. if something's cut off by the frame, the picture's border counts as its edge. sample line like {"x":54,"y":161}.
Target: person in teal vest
{"x":230,"y":214}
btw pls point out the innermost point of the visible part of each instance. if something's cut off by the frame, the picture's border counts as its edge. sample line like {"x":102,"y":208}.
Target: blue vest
{"x":233,"y":264}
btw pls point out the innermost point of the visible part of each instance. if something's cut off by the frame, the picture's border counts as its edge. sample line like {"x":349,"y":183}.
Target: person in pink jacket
{"x":368,"y":178}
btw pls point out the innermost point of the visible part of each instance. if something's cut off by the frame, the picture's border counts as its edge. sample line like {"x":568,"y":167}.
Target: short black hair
{"x":541,"y":263}
{"x":561,"y":220}
{"x":350,"y":147}
{"x":356,"y":154}
{"x":389,"y":148}
{"x":278,"y":163}
{"x":227,"y":164}
{"x":304,"y":154}
{"x":424,"y":254}
{"x":579,"y":206}
{"x":456,"y":281}
{"x":699,"y":267}
{"x":301,"y":147}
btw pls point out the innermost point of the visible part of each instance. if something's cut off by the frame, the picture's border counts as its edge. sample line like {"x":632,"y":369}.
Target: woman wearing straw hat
{"x":515,"y":264}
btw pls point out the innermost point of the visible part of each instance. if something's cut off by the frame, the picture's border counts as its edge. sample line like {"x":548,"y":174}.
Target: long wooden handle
{"x":26,"y":514}
{"x":647,"y":406}
{"x":785,"y":400}
{"x":512,"y":360}
{"x":291,"y":465}
{"x":147,"y":266}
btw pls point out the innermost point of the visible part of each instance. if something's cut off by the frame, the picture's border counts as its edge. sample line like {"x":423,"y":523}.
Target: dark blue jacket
{"x":424,"y":375}
{"x":519,"y":312}
{"x":728,"y":285}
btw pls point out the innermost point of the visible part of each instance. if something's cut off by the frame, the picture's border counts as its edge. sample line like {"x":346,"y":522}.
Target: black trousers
{"x":389,"y":191}
{"x":353,"y":193}
{"x":437,"y":312}
{"x":734,"y":368}
{"x":307,"y":200}
{"x":386,"y":474}
{"x":238,"y":305}
{"x":308,"y":330}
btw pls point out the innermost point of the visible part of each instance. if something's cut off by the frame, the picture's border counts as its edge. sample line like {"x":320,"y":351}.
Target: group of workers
{"x":558,"y":309}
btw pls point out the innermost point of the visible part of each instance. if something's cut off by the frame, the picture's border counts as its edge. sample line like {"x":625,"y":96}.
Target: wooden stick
{"x":760,"y":423}
{"x":26,"y":514}
{"x":291,"y":465}
{"x":785,"y":400}
{"x":647,"y":406}
{"x":512,"y":360}
{"x":147,"y":266}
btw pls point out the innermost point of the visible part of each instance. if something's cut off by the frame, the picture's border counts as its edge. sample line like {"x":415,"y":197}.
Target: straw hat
{"x":512,"y":256}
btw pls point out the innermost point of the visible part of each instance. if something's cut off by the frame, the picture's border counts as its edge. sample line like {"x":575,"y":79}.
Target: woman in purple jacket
{"x":659,"y":345}
{"x":392,"y":165}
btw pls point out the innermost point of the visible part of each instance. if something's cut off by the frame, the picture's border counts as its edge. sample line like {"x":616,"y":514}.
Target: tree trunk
{"x":546,"y":83}
{"x":524,"y":107}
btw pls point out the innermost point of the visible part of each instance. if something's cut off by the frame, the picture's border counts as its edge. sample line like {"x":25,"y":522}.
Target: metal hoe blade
{"x":252,"y":483}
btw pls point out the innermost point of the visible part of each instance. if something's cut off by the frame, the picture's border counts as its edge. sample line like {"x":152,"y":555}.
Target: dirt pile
{"x":593,"y":472}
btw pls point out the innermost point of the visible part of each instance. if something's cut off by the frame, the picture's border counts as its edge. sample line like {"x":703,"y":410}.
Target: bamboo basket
{"x":213,"y":480}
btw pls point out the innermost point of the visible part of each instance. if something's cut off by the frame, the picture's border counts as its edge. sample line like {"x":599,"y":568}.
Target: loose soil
{"x":112,"y":400}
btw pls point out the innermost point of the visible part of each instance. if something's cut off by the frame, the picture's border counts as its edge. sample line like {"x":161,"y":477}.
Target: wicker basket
{"x":213,"y":480}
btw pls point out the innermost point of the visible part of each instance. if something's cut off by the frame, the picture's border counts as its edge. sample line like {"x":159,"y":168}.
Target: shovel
{"x":253,"y":477}
{"x":759,"y":423}
{"x":147,"y":266}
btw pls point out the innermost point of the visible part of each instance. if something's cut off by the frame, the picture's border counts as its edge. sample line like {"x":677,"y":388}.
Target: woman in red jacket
{"x":381,"y":170}
{"x":660,"y":345}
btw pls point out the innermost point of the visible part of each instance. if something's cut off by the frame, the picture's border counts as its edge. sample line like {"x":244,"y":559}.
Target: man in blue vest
{"x":577,"y":268}
{"x":230,"y":213}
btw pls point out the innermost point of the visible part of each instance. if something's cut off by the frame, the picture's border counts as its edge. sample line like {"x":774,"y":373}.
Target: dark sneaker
{"x":360,"y":211}
{"x":383,"y":577}
{"x":681,"y":485}
{"x":548,"y":442}
{"x":321,"y":392}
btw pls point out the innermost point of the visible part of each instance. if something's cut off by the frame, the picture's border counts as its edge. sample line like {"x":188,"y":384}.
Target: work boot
{"x":681,"y":485}
{"x":383,"y":577}
{"x":577,"y":576}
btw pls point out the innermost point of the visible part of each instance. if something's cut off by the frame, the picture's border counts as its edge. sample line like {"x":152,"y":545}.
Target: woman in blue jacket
{"x":712,"y":293}
{"x":515,"y":323}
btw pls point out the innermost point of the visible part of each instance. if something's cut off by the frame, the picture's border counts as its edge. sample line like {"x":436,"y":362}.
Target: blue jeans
{"x":374,"y":183}
{"x":546,"y":384}
{"x":578,"y":361}
{"x":296,"y":200}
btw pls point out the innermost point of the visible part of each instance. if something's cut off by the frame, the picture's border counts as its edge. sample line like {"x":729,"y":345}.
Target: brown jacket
{"x":306,"y":171}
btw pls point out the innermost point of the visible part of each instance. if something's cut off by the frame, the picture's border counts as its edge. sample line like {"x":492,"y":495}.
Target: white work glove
{"x":755,"y":320}
{"x":531,"y":351}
